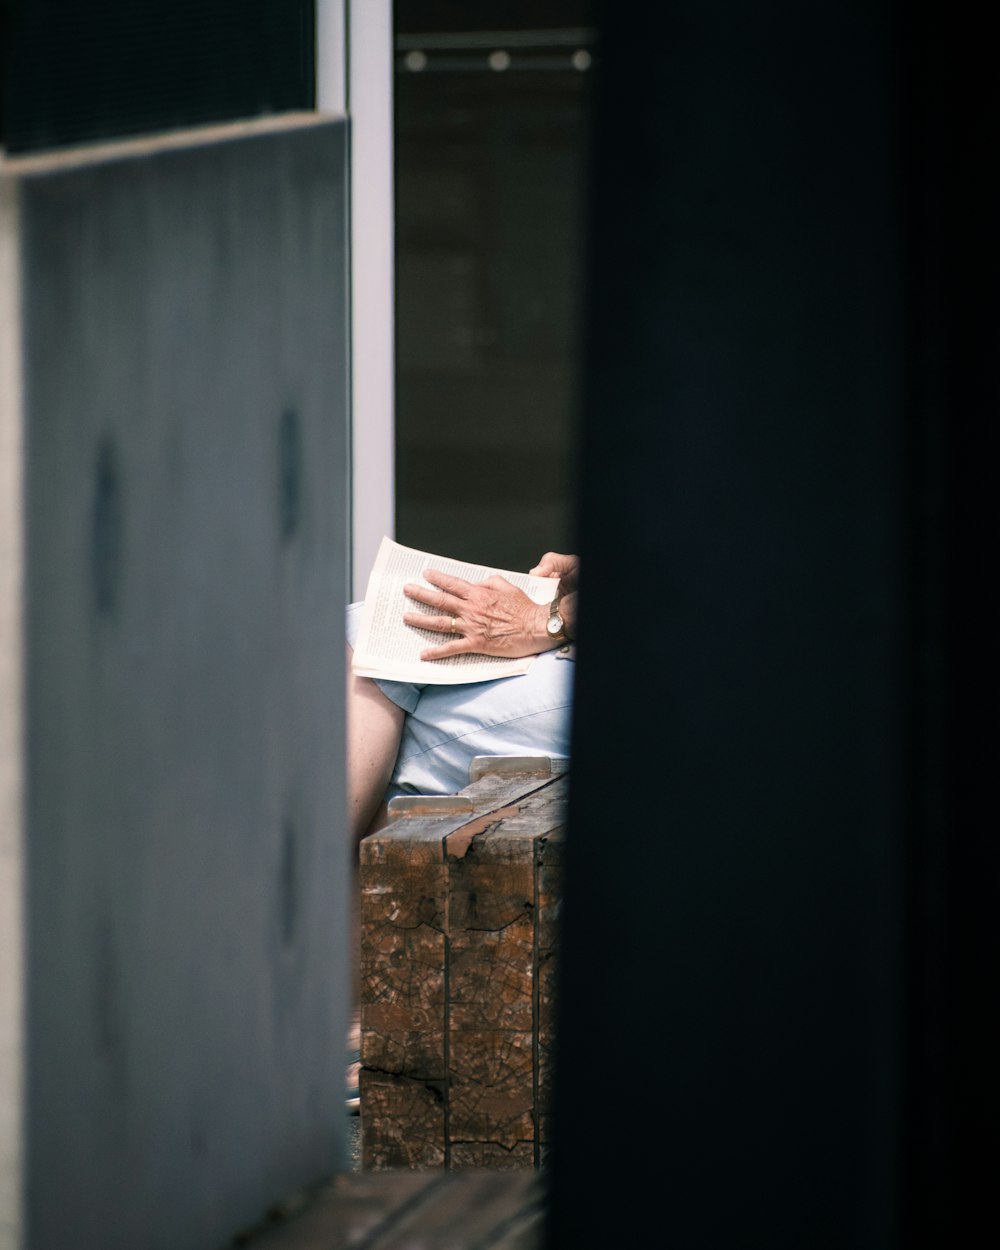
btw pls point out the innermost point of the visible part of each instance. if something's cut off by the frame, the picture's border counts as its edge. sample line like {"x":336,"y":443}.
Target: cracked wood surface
{"x":459,"y":933}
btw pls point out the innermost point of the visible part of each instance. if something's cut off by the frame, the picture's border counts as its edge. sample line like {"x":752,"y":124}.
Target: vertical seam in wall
{"x":347,"y":56}
{"x":13,"y":1144}
{"x":447,"y":1003}
{"x":349,"y":345}
{"x":536,"y":997}
{"x":349,"y":293}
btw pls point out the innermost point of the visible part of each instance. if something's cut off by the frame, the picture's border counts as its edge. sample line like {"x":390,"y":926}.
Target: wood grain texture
{"x":485,"y":1154}
{"x":404,"y":1122}
{"x":459,"y":950}
{"x":549,"y":878}
{"x":403,"y":901}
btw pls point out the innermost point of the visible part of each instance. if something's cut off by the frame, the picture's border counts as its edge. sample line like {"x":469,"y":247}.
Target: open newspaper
{"x":387,"y":648}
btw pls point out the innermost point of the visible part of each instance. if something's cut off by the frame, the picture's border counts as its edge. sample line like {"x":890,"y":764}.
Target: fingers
{"x":449,"y":596}
{"x":460,"y":646}
{"x":440,"y":624}
{"x":441,"y":600}
{"x":457,"y":586}
{"x":454,"y":593}
{"x":555,"y":564}
{"x":491,"y":617}
{"x":460,"y":588}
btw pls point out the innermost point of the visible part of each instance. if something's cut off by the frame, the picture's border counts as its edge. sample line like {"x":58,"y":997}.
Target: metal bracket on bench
{"x":509,"y":766}
{"x":429,"y":805}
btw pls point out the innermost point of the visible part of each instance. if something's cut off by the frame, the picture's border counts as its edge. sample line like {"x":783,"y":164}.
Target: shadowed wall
{"x":780,"y":938}
{"x":180,"y":344}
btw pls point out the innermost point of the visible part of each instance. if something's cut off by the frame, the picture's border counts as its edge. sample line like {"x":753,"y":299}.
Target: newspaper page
{"x":389,"y":649}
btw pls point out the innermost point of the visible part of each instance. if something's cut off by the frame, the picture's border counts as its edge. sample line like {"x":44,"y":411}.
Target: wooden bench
{"x":459,"y":900}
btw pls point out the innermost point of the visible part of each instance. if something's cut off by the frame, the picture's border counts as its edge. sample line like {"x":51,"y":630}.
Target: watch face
{"x":554,"y":625}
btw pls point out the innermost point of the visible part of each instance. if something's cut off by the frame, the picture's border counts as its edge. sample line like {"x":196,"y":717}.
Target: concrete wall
{"x":175,"y":802}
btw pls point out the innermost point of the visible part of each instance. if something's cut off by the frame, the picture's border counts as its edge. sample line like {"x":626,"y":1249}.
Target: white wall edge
{"x":331,"y":56}
{"x":370,"y":107}
{"x":12,"y":992}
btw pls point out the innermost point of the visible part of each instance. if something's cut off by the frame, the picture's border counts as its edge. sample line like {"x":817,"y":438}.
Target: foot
{"x":354,"y":1065}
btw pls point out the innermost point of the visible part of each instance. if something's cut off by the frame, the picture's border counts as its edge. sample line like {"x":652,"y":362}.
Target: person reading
{"x":412,"y":737}
{"x":415,"y":738}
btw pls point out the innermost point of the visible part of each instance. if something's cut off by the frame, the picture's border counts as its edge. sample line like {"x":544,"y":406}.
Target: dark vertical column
{"x":768,"y":532}
{"x":951,"y":1129}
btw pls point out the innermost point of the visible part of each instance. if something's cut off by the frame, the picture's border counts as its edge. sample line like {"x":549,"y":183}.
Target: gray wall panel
{"x":185,"y":412}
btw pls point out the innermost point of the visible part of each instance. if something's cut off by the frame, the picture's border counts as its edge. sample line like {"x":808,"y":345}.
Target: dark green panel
{"x":79,"y":71}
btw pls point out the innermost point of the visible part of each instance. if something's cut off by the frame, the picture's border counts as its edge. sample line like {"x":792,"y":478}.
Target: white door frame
{"x":354,"y":69}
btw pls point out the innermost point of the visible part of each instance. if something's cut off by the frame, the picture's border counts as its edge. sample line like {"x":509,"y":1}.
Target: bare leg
{"x":374,"y":726}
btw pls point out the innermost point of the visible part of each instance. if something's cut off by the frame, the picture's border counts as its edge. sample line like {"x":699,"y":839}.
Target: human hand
{"x":481,"y":618}
{"x":566,"y":568}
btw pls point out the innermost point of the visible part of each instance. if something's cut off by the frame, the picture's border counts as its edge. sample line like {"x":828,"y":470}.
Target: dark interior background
{"x":490,"y":189}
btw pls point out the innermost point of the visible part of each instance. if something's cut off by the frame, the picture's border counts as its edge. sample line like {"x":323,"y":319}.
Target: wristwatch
{"x":555,"y":627}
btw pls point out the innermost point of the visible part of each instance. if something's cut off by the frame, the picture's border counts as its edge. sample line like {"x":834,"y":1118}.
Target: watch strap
{"x":554,"y":614}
